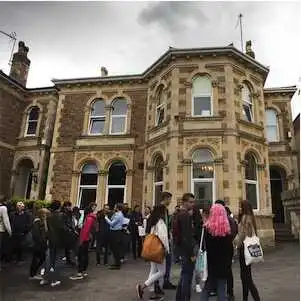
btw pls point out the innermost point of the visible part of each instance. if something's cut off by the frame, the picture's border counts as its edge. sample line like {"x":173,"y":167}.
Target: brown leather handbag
{"x":153,"y":249}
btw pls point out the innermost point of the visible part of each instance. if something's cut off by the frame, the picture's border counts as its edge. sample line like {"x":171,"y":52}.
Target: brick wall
{"x":6,"y":163}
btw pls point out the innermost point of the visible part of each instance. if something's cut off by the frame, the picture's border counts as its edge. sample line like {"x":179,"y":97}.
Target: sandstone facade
{"x":197,"y":120}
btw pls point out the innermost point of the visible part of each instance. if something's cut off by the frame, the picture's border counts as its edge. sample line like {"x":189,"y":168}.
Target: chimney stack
{"x":249,"y":50}
{"x":104,"y":71}
{"x":20,"y":64}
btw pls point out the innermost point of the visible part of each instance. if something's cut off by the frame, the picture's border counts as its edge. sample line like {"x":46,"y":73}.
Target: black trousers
{"x":38,"y":258}
{"x":136,"y":245}
{"x":230,"y":282}
{"x":83,"y":256}
{"x":99,"y":246}
{"x":18,"y":244}
{"x":246,"y":278}
{"x":116,"y":239}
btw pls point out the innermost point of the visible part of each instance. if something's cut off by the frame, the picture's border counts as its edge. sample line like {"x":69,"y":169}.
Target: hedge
{"x":37,"y":204}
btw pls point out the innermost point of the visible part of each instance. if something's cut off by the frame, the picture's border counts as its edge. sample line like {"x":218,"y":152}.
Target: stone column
{"x":128,"y":187}
{"x":187,"y":165}
{"x":108,"y":112}
{"x":101,"y":188}
{"x":214,"y":98}
{"x":74,"y":188}
{"x":219,"y":180}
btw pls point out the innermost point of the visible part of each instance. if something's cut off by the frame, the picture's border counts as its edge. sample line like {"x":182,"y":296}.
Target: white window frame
{"x":116,"y":116}
{"x":159,"y":108}
{"x":273,"y":126}
{"x":248,"y":103}
{"x":96,"y":118}
{"x":27,"y":122}
{"x":80,"y":187}
{"x":115,"y":186}
{"x":202,"y":95}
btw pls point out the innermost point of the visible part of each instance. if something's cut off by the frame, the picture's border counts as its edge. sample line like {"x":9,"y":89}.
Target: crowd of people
{"x":119,"y":230}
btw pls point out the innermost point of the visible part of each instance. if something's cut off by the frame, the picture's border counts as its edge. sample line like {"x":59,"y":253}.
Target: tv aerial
{"x":13,"y":37}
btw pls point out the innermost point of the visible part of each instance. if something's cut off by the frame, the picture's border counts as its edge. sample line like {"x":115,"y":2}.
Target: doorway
{"x":277,"y":180}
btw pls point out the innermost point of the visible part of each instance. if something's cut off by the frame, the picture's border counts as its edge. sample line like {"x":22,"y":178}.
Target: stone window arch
{"x":203,"y":175}
{"x":32,"y":121}
{"x":118,"y":122}
{"x":251,"y":180}
{"x":202,"y":96}
{"x":271,"y":125}
{"x":87,"y":190}
{"x":97,"y":117}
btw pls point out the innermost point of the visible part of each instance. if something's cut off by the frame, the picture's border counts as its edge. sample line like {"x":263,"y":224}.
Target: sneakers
{"x":156,"y":297}
{"x":55,"y":283}
{"x":169,"y":286}
{"x":85,"y":274}
{"x":43,"y":282}
{"x":36,"y":277}
{"x":139,"y":291}
{"x":198,"y":288}
{"x":78,"y":276}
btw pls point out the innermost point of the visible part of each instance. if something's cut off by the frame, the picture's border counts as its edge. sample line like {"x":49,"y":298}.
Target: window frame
{"x":276,"y":126}
{"x":96,"y":118}
{"x":118,"y":116}
{"x":249,"y":103}
{"x":253,"y":182}
{"x":204,"y":180}
{"x":201,"y":95}
{"x":81,"y":187}
{"x":157,"y":183}
{"x":32,"y":121}
{"x":160,"y":105}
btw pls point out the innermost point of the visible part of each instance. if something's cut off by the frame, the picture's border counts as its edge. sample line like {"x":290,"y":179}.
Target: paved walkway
{"x":277,"y":280}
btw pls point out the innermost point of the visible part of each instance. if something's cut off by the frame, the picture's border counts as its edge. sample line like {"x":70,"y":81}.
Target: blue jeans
{"x":184,"y":285}
{"x":167,"y":268}
{"x":221,"y":289}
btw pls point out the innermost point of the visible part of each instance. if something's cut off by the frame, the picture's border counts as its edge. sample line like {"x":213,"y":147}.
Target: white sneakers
{"x":198,"y":288}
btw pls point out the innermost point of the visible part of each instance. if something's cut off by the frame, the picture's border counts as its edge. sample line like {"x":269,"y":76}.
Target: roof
{"x":288,"y":89}
{"x":296,"y":122}
{"x":12,"y":81}
{"x":168,"y":55}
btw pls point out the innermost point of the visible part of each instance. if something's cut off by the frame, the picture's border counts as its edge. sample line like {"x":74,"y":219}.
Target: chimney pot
{"x":104,"y":71}
{"x":249,"y":50}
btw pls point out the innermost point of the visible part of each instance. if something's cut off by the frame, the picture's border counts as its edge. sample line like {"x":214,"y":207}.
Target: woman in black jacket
{"x":218,"y":244}
{"x":102,"y":237}
{"x":39,"y":236}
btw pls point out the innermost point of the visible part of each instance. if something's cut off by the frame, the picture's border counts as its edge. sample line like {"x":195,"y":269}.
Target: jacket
{"x":160,"y":230}
{"x":39,"y":235}
{"x":219,"y":255}
{"x":21,"y":223}
{"x":135,"y":221}
{"x":87,"y":228}
{"x":70,"y":233}
{"x":246,"y":227}
{"x":185,"y":239}
{"x":4,"y":220}
{"x":55,"y":223}
{"x":102,"y":231}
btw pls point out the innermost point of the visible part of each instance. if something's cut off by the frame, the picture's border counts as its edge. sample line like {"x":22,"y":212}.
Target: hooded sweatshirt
{"x":87,"y":228}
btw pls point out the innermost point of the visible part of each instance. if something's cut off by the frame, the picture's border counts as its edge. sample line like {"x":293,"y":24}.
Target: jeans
{"x":38,"y":258}
{"x":116,"y":239}
{"x":221,"y":289}
{"x":83,"y":256}
{"x":168,"y":267}
{"x":136,"y":245}
{"x":184,"y":285}
{"x":156,"y":273}
{"x":52,"y":273}
{"x":246,"y":278}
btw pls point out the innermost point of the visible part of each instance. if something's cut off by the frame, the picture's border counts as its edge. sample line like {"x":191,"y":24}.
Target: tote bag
{"x":201,"y":261}
{"x":253,"y":250}
{"x":153,"y":249}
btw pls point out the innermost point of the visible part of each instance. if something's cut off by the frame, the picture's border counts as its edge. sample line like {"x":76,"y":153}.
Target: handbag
{"x":201,"y":267}
{"x":153,"y":249}
{"x":252,"y":250}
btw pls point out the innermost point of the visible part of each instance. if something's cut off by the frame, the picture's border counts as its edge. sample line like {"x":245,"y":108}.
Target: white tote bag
{"x":253,"y":250}
{"x":201,"y":267}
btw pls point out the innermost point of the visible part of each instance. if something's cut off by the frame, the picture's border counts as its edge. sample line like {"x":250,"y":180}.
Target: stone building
{"x":196,"y":120}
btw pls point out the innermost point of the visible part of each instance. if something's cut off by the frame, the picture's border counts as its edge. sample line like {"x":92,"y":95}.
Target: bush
{"x":37,"y":204}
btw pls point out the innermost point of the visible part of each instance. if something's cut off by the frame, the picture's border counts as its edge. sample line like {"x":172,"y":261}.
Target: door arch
{"x":23,"y":182}
{"x":278,"y":185}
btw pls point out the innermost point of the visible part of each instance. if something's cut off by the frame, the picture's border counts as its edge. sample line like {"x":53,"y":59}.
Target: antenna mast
{"x":240,"y":25}
{"x":12,"y":36}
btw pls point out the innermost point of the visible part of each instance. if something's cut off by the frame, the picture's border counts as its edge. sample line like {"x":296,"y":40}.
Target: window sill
{"x":106,"y":136}
{"x":203,"y":118}
{"x":158,"y":127}
{"x":250,"y":124}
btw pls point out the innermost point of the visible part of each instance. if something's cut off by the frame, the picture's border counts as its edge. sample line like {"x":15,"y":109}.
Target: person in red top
{"x":84,"y":241}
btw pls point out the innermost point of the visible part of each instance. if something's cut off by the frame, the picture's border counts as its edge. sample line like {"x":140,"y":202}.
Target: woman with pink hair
{"x":218,"y":244}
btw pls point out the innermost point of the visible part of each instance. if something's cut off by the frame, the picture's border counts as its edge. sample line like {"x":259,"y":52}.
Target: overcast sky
{"x":74,"y":39}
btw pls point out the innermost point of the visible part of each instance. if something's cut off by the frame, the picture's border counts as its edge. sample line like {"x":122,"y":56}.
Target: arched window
{"x":97,"y":117}
{"x":160,"y":106}
{"x":118,"y":118}
{"x":158,"y":179}
{"x":87,"y":185}
{"x":202,"y":175}
{"x":247,"y":104}
{"x":251,"y":180}
{"x":201,"y":96}
{"x":271,"y":126}
{"x":32,"y":121}
{"x":116,"y":183}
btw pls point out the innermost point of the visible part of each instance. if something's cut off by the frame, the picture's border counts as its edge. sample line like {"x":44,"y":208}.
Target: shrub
{"x":37,"y":204}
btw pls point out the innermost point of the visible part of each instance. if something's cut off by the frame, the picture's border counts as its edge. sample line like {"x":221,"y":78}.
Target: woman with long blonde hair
{"x":218,"y":244}
{"x":39,"y":236}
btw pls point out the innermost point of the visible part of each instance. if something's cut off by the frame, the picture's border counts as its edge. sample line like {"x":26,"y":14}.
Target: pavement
{"x":277,"y":279}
